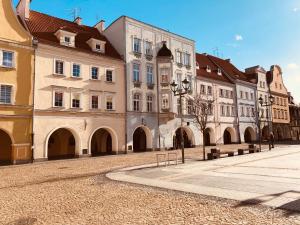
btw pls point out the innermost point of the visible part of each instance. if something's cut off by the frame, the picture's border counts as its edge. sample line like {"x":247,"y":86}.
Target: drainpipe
{"x":33,"y":101}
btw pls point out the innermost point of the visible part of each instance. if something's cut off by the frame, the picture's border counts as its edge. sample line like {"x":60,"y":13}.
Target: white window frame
{"x":113,"y":102}
{"x":133,"y":72}
{"x":12,"y":97}
{"x":140,"y":45}
{"x":99,"y":100}
{"x":91,"y":72}
{"x":80,"y":70}
{"x":71,"y":99}
{"x":13,"y":58}
{"x":53,"y":98}
{"x":150,"y":53}
{"x":147,"y":73}
{"x":139,"y":102}
{"x":152,"y":102}
{"x":112,"y":75}
{"x":64,"y":67}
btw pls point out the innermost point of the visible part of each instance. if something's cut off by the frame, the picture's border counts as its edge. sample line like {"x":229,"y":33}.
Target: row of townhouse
{"x":69,"y":90}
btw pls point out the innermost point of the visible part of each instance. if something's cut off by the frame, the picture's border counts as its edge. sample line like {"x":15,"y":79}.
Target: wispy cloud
{"x":292,"y":66}
{"x":239,"y":37}
{"x":295,"y":9}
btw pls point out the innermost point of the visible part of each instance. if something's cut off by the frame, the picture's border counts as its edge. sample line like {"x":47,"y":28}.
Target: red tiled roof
{"x":203,"y":61}
{"x":231,"y":70}
{"x":44,"y":27}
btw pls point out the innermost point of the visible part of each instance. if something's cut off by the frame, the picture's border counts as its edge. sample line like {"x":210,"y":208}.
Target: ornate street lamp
{"x":177,"y":91}
{"x":267,"y":104}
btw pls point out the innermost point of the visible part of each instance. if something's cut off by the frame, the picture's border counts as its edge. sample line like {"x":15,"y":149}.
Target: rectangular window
{"x":5,"y":94}
{"x":109,"y":103}
{"x":149,"y":103}
{"x":7,"y":59}
{"x":98,"y":47}
{"x":136,"y":102}
{"x":222,"y":110}
{"x":164,"y":75}
{"x":75,"y":100}
{"x":95,"y":102}
{"x":232,"y":111}
{"x":242,"y":111}
{"x":221,"y":93}
{"x":252,"y":96}
{"x":67,"y":40}
{"x":226,"y":93}
{"x":189,"y":78}
{"x":186,"y":59}
{"x":189,"y":107}
{"x":165,"y":101}
{"x":202,"y":89}
{"x":109,"y":75}
{"x":247,"y":95}
{"x":241,"y":94}
{"x":231,"y":94}
{"x":76,"y":70}
{"x":137,"y":45}
{"x":149,"y":74}
{"x":148,"y":48}
{"x":58,"y":99}
{"x":95,"y":73}
{"x":179,"y":57}
{"x":209,"y":90}
{"x":248,"y":112}
{"x":59,"y":67}
{"x":253,"y":112}
{"x":228,"y":111}
{"x":178,"y":106}
{"x":136,"y":72}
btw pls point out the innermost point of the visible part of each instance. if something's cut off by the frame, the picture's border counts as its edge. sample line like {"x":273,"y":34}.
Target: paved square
{"x":271,"y":178}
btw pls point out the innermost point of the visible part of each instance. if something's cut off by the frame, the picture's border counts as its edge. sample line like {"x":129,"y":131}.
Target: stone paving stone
{"x":76,"y":192}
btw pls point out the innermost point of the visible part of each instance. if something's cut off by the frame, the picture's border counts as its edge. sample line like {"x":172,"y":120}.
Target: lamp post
{"x":178,"y":91}
{"x":267,"y":104}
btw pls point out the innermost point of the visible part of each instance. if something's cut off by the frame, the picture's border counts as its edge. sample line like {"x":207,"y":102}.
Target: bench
{"x":228,"y":153}
{"x":216,"y":154}
{"x":242,"y":151}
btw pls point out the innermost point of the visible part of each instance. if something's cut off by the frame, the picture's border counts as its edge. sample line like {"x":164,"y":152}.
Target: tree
{"x":200,"y":108}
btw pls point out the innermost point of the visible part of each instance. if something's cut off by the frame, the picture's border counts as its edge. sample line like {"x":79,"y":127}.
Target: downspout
{"x":126,"y":94}
{"x":33,"y":101}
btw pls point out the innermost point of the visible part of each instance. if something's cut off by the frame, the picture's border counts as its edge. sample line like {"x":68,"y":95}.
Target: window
{"x":136,"y":72}
{"x":275,"y":85}
{"x":222,"y":110}
{"x":7,"y":59}
{"x":202,"y":89}
{"x":186,"y":59}
{"x":252,"y":96}
{"x":178,"y":106}
{"x":248,"y":112}
{"x":179,"y":57}
{"x":149,"y":74}
{"x":149,"y":103}
{"x":232,"y":111}
{"x":241,"y":94}
{"x":219,"y":72}
{"x":190,"y":107}
{"x":231,"y":94}
{"x":5,"y":94}
{"x":247,"y":95}
{"x":242,"y":111}
{"x":67,"y":40}
{"x":136,"y":102}
{"x":59,"y":67}
{"x":164,"y":75}
{"x":208,"y":69}
{"x":58,"y":99}
{"x":264,"y":84}
{"x":76,"y":101}
{"x":275,"y":113}
{"x":285,"y":115}
{"x":165,"y":101}
{"x":148,"y":48}
{"x":95,"y":102}
{"x":109,"y":103}
{"x":262,"y":113}
{"x":95,"y":73}
{"x":109,"y":75}
{"x":189,"y":78}
{"x":76,"y":70}
{"x":98,"y":47}
{"x":280,"y":86}
{"x":260,"y":84}
{"x":137,"y":45}
{"x":221,"y":93}
{"x":253,"y":112}
{"x":228,"y":111}
{"x":209,"y":90}
{"x":226,"y":93}
{"x":210,"y":109}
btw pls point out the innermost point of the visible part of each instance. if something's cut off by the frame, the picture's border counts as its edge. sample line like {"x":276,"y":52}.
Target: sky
{"x":249,"y":32}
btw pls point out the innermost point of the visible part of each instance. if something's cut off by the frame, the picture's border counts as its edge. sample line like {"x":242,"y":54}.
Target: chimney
{"x":100,"y":26}
{"x":228,"y":60}
{"x":23,"y":9}
{"x":78,"y":20}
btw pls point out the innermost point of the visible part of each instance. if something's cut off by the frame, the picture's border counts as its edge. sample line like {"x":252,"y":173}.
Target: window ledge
{"x":109,"y":82}
{"x":110,"y":110}
{"x":76,"y":78}
{"x":7,"y":67}
{"x":97,"y":80}
{"x":75,"y":109}
{"x":58,"y":107}
{"x":58,"y":75}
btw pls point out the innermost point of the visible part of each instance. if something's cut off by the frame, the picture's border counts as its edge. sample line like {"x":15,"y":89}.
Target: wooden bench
{"x":228,"y":153}
{"x":216,"y":154}
{"x":242,"y":151}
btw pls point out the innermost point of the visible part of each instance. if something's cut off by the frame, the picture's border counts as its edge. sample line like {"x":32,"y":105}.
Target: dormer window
{"x":219,"y":72}
{"x":97,"y":45}
{"x":208,"y":69}
{"x":66,"y":37}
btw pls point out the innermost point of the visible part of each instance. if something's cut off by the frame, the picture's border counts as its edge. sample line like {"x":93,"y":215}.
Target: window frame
{"x":11,"y":94}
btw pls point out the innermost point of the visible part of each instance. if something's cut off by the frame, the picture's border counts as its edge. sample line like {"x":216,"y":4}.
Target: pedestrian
{"x":272,"y":139}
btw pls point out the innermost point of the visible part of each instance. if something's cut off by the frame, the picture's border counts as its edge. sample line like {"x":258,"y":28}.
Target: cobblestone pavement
{"x":77,"y":192}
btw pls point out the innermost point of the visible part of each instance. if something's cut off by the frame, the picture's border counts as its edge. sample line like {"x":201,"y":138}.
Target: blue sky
{"x":250,"y":32}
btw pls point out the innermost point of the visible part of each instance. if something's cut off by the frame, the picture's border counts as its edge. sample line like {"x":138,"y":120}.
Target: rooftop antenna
{"x":75,"y":12}
{"x":216,"y":52}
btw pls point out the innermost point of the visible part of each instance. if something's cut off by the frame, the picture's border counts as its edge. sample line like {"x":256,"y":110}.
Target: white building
{"x":212,"y":83}
{"x":265,"y":112}
{"x":151,"y":107}
{"x":246,"y":99}
{"x":79,"y":89}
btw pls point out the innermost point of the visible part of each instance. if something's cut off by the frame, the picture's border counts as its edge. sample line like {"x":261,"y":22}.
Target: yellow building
{"x":280,"y":108}
{"x":16,"y":86}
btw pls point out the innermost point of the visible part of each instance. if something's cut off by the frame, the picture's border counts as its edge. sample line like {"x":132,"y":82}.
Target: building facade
{"x":294,"y":119}
{"x":213,"y":84}
{"x":79,"y":90}
{"x":16,"y":86}
{"x":263,"y":92}
{"x":246,"y":101}
{"x":280,"y":108}
{"x":154,"y":58}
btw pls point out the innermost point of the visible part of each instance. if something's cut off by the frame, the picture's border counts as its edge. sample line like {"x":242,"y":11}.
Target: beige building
{"x":280,"y":108}
{"x":16,"y":78}
{"x":79,"y":102}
